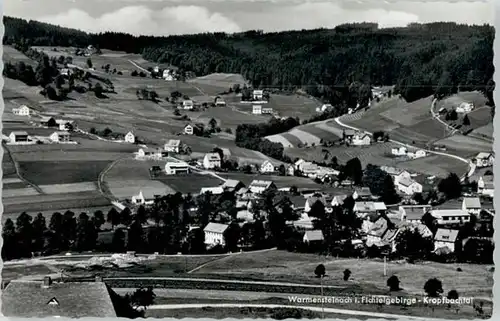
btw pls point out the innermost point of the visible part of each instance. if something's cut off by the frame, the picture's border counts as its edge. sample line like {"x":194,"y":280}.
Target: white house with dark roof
{"x":408,"y":186}
{"x":417,"y":154}
{"x":211,"y":160}
{"x":214,"y":234}
{"x":256,"y":109}
{"x":130,"y":138}
{"x":60,"y":137}
{"x":485,"y":186}
{"x":145,"y":197}
{"x":313,"y":236}
{"x":362,"y":193}
{"x":188,"y":129}
{"x":267,"y":167}
{"x":472,"y":205}
{"x":451,"y":216}
{"x":173,"y":146}
{"x":445,"y":238}
{"x":399,"y":151}
{"x":260,"y":186}
{"x":174,"y":167}
{"x":361,"y":139}
{"x":187,"y":104}
{"x":311,"y":200}
{"x":258,"y":94}
{"x":484,"y":159}
{"x":21,"y":111}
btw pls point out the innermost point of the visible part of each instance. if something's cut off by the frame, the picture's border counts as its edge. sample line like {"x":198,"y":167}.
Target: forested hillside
{"x":422,"y":59}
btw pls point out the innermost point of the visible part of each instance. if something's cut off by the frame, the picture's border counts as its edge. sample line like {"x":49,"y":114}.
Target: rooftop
{"x":314,"y":235}
{"x":472,"y":202}
{"x":19,"y":133}
{"x":446,"y":235}
{"x":215,"y":227}
{"x":72,"y":300}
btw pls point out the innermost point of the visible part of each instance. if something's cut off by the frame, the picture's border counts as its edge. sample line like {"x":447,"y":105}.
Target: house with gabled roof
{"x":413,"y":213}
{"x":211,"y":160}
{"x":338,"y":200}
{"x":146,"y":196}
{"x":173,"y":146}
{"x":130,"y":138}
{"x":484,"y":159}
{"x":361,"y":139}
{"x":450,"y":216}
{"x":187,"y":104}
{"x":217,"y":190}
{"x":18,"y":137}
{"x":445,"y":238}
{"x":485,"y":185}
{"x":45,"y":299}
{"x":362,"y":193}
{"x":313,"y":236}
{"x":258,"y":94}
{"x":60,"y":137}
{"x":188,"y":129}
{"x":311,"y":200}
{"x":260,"y":186}
{"x":21,"y":111}
{"x":408,"y":186}
{"x":214,"y":234}
{"x":233,"y":185}
{"x":472,"y":205}
{"x":267,"y":167}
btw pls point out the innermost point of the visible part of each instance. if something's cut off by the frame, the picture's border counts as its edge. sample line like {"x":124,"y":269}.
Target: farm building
{"x":472,"y":205}
{"x":362,"y":193}
{"x":188,"y":130}
{"x":211,"y":160}
{"x":21,"y":111}
{"x":379,"y":234}
{"x":233,"y":185}
{"x":267,"y":110}
{"x":363,"y":209}
{"x":445,"y":238}
{"x":258,"y":94}
{"x":219,"y":102}
{"x":64,"y":124}
{"x":145,"y":197}
{"x":465,"y":108}
{"x":212,"y":190}
{"x":453,"y":216}
{"x":174,"y":167}
{"x":401,"y":151}
{"x":168,"y":75}
{"x":484,"y":159}
{"x":130,"y":138}
{"x":408,"y":186}
{"x":173,"y":146}
{"x":418,"y":154}
{"x":187,"y":104}
{"x":48,"y":121}
{"x":310,"y":201}
{"x":413,"y":213}
{"x":361,"y":139}
{"x":46,"y":299}
{"x":267,"y":167}
{"x":214,"y":234}
{"x":324,"y":108}
{"x":257,"y":109}
{"x":18,"y":137}
{"x":348,"y":135}
{"x":60,"y":137}
{"x":402,"y":175}
{"x":259,"y":187}
{"x":313,"y":236}
{"x":485,"y":185}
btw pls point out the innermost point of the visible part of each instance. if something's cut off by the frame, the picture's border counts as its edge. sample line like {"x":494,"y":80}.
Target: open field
{"x":126,"y":188}
{"x":465,"y":146}
{"x":293,"y":105}
{"x":298,"y":267}
{"x":61,"y":172}
{"x":191,"y":183}
{"x":10,"y":54}
{"x":475,"y":97}
{"x":220,"y":80}
{"x":311,"y":133}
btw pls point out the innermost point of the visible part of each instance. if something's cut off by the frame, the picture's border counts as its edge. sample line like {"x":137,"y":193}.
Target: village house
{"x":18,"y":137}
{"x":260,"y":187}
{"x":233,"y":185}
{"x":451,"y":216}
{"x":308,"y":169}
{"x":21,"y":111}
{"x":211,"y":160}
{"x":472,"y":205}
{"x":187,"y":104}
{"x":408,"y":186}
{"x":130,"y":138}
{"x":214,"y":234}
{"x":484,"y":159}
{"x":413,"y":213}
{"x":146,"y":197}
{"x":338,"y":200}
{"x":314,"y":236}
{"x":324,"y":108}
{"x":418,"y":154}
{"x":219,"y":102}
{"x":48,"y":299}
{"x":256,"y":109}
{"x":311,"y":200}
{"x":65,"y":124}
{"x":173,"y":146}
{"x":46,"y":121}
{"x":188,"y":129}
{"x":465,"y":108}
{"x":145,"y":152}
{"x":380,"y":234}
{"x":60,"y":137}
{"x":485,"y":185}
{"x":348,"y":135}
{"x":267,"y":167}
{"x":445,"y":238}
{"x":361,"y":139}
{"x":290,"y":170}
{"x":212,"y":190}
{"x":267,"y":110}
{"x":258,"y":95}
{"x":399,"y":151}
{"x":369,"y":209}
{"x":362,"y":193}
{"x":174,"y":167}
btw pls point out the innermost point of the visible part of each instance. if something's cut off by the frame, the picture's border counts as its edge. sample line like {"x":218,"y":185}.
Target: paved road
{"x":468,"y":173}
{"x":436,"y":117}
{"x":274,"y":306}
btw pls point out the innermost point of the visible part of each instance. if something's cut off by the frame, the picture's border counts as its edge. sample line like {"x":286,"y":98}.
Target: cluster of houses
{"x":259,"y":110}
{"x":403,"y":151}
{"x":173,"y":146}
{"x":190,"y":104}
{"x":23,"y":138}
{"x":356,"y":138}
{"x":484,"y":159}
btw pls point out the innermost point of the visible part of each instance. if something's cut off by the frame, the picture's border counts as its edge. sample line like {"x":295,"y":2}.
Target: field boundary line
{"x":100,"y":181}
{"x":18,"y":171}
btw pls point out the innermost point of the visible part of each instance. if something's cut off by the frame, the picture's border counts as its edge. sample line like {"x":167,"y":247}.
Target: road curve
{"x":469,"y":172}
{"x":436,"y":117}
{"x":274,"y":306}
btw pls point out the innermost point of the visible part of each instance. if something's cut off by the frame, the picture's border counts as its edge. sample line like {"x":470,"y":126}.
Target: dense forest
{"x":336,"y":65}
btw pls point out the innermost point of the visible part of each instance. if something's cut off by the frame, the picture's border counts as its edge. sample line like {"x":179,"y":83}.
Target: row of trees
{"x":444,"y":57}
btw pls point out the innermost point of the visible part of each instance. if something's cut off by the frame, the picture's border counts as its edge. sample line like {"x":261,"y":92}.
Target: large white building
{"x":174,"y":167}
{"x":211,"y":160}
{"x":21,"y":111}
{"x":408,"y":186}
{"x":453,"y":216}
{"x":214,"y":234}
{"x":130,"y":138}
{"x":485,"y":186}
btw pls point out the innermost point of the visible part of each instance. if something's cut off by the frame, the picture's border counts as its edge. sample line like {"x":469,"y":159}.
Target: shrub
{"x":459,"y":270}
{"x":433,"y":287}
{"x":393,"y":283}
{"x":320,"y":271}
{"x":347,"y":274}
{"x":452,"y":295}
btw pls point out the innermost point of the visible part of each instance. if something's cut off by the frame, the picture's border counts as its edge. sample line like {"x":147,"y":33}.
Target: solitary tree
{"x":433,"y":287}
{"x":466,"y":121}
{"x":89,"y":63}
{"x":347,"y":274}
{"x":320,"y":271}
{"x":393,"y":283}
